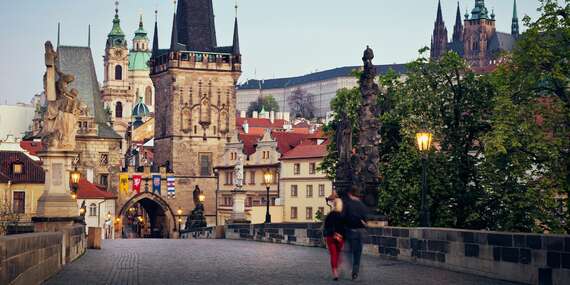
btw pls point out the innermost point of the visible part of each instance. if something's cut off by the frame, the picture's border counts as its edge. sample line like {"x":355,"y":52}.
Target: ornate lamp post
{"x":267,"y":179}
{"x":75,"y":175}
{"x":424,"y":138}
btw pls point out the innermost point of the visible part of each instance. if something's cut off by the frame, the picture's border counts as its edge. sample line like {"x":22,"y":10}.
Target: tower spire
{"x":439,"y":18}
{"x":458,"y":27}
{"x":116,"y":37}
{"x":195,"y":25}
{"x":89,"y":36}
{"x":174,"y":37}
{"x":58,"y":33}
{"x":439,"y":37}
{"x":155,"y":39}
{"x":515,"y":25}
{"x":235,"y":46}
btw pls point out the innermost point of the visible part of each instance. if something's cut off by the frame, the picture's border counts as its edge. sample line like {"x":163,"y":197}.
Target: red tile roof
{"x":32,"y":172}
{"x":88,"y":190}
{"x":306,"y":151}
{"x":31,"y":147}
{"x":260,"y":123}
{"x":285,"y":141}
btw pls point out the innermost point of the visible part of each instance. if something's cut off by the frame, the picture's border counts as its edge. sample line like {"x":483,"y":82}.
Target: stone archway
{"x":158,"y":217}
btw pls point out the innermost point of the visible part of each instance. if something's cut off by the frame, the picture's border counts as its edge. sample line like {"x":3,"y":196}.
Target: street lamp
{"x":179,"y":212}
{"x":267,"y":179}
{"x":424,"y":138}
{"x":75,"y":175}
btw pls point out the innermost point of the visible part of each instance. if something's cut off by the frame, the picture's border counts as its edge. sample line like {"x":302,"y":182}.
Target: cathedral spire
{"x":515,"y":25}
{"x":155,"y":39}
{"x":439,"y":37}
{"x":174,"y":43}
{"x":195,"y":26}
{"x":458,"y":27}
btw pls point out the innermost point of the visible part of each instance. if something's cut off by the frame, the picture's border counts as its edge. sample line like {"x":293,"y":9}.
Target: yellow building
{"x":303,"y":187}
{"x":21,"y":184}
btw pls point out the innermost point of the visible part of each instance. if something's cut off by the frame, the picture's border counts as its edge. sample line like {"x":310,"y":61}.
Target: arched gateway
{"x":147,"y":215}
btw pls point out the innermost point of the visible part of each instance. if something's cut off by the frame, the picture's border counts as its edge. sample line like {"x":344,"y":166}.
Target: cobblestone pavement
{"x":128,"y":262}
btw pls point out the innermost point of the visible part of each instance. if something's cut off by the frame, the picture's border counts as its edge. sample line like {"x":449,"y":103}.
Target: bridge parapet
{"x":519,"y":257}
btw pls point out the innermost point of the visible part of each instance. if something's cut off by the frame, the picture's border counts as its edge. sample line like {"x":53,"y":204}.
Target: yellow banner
{"x":124,"y":183}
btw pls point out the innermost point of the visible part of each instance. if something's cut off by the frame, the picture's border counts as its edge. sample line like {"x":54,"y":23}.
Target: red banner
{"x":137,"y":181}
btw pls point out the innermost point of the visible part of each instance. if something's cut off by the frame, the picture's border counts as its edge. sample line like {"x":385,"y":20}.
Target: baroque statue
{"x":63,"y":105}
{"x":238,"y":172}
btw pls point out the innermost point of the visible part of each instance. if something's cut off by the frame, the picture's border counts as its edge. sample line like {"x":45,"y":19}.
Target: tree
{"x":301,"y":104}
{"x":263,"y":102}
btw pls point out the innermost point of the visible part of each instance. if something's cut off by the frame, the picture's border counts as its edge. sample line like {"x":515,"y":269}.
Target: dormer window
{"x":17,"y":168}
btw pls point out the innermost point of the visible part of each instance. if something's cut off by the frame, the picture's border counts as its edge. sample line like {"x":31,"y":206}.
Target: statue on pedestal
{"x":238,"y":172}
{"x":344,"y":149}
{"x":63,"y":106}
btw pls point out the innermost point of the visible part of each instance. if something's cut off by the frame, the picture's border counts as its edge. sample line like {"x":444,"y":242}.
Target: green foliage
{"x":263,"y":102}
{"x":501,"y":155}
{"x":320,"y":216}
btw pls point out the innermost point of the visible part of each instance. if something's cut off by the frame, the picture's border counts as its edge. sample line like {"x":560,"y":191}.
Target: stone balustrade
{"x":526,"y":258}
{"x":33,"y":258}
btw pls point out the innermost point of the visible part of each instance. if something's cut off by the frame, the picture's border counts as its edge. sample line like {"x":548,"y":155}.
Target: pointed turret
{"x":174,"y":43}
{"x":195,"y":25}
{"x":458,"y":27}
{"x":479,"y":11}
{"x":140,"y":41}
{"x":116,"y":37}
{"x":155,"y":39}
{"x":515,"y":25}
{"x":439,"y":37}
{"x":235,"y":46}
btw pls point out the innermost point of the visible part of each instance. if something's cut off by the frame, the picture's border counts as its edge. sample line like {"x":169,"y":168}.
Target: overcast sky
{"x":278,"y":38}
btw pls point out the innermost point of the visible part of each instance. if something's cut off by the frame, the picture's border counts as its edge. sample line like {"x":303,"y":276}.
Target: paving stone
{"x":239,"y":262}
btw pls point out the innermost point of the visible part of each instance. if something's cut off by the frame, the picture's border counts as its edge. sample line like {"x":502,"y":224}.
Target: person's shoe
{"x":335,"y":279}
{"x":354,"y":276}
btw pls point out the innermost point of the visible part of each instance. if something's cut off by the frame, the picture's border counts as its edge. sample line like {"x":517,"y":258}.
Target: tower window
{"x":119,"y":110}
{"x":148,"y":96}
{"x":118,"y":72}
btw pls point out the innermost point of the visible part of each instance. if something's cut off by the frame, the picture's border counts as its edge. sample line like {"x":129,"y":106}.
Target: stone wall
{"x":216,"y":232}
{"x":525,"y":258}
{"x":33,"y":258}
{"x":305,"y":234}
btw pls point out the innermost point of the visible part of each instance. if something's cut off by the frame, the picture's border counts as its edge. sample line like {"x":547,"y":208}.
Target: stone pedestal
{"x":56,"y":208}
{"x":238,"y":210}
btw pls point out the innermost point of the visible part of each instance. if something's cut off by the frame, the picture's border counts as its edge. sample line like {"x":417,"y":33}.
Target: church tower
{"x":117,"y":94}
{"x":439,"y":37}
{"x":478,"y":32}
{"x":195,"y":110}
{"x":139,"y":71}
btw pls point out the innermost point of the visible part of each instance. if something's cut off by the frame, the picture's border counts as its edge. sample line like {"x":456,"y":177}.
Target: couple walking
{"x":345,"y":223}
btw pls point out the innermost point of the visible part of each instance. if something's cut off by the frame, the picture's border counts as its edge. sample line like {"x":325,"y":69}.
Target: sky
{"x":278,"y":38}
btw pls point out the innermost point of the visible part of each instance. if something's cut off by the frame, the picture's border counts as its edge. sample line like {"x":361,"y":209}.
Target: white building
{"x":15,"y":120}
{"x":99,"y":207}
{"x":321,"y":86}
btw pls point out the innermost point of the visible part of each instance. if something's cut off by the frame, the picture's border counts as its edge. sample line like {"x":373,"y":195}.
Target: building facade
{"x":321,"y":87}
{"x":475,"y":38}
{"x":99,"y":207}
{"x":304,"y":186}
{"x":15,"y":121}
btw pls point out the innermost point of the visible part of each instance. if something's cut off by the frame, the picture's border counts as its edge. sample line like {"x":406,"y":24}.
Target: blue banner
{"x":156,"y":182}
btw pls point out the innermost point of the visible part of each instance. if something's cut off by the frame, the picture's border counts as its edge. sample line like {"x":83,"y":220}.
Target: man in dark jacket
{"x":355,"y":222}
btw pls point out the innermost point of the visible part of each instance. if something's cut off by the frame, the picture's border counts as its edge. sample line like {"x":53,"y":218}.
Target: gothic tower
{"x":117,"y":94}
{"x":195,"y":110}
{"x":439,"y":37}
{"x":515,"y":25}
{"x":478,"y":31}
{"x":139,"y":71}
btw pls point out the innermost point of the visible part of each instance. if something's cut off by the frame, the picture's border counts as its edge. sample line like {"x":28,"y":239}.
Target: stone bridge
{"x":205,"y":261}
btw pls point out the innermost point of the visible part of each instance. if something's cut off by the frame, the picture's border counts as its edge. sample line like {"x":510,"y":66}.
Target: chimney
{"x":242,"y":114}
{"x":245,"y":127}
{"x":272,"y":117}
{"x":254,"y":115}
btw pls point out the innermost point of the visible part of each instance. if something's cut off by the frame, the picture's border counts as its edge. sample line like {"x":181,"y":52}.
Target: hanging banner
{"x":124,"y":183}
{"x":156,"y":183}
{"x":137,"y":181}
{"x":170,"y":183}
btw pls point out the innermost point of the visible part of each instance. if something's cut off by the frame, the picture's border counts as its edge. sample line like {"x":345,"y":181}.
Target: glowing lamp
{"x":424,"y":138}
{"x":268,"y":178}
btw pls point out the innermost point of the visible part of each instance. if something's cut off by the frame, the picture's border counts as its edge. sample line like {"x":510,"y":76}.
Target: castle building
{"x":195,"y":101}
{"x":476,"y":38}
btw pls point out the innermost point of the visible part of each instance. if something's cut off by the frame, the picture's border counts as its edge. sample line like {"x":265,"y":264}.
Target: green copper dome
{"x":140,"y":110}
{"x":140,"y":33}
{"x":138,"y":60}
{"x":116,"y":37}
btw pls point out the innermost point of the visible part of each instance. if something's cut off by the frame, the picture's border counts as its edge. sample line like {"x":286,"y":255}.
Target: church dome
{"x":138,"y":60}
{"x":140,"y":110}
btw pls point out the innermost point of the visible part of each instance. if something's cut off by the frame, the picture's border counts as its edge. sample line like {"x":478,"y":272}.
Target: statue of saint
{"x":238,"y":172}
{"x":63,"y":106}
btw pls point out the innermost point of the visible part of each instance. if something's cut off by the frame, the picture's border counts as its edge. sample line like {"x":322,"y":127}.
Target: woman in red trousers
{"x":333,"y":232}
